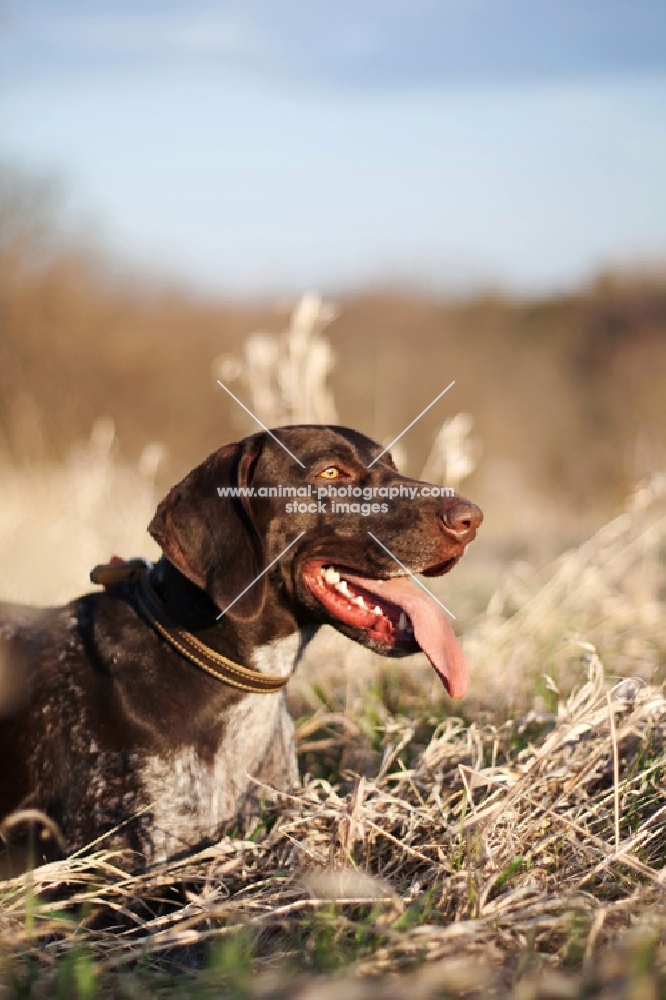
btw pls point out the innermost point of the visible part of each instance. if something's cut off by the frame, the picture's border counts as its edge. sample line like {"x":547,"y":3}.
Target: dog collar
{"x":137,"y":572}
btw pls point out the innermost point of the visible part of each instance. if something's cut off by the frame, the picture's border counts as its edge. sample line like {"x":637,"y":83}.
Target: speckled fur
{"x":105,"y":727}
{"x":192,"y":798}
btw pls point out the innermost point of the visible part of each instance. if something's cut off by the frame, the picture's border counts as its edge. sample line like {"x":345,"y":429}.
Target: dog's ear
{"x":210,"y":538}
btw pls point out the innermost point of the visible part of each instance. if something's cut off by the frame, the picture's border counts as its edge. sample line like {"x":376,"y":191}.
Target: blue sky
{"x":277,"y":146}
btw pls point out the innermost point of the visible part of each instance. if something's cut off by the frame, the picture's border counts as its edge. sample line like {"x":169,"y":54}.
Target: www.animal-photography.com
{"x":332,"y":500}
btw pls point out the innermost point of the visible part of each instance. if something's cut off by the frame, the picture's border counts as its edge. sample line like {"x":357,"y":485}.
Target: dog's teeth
{"x":359,"y":600}
{"x":402,"y":621}
{"x":342,"y":587}
{"x":377,"y":610}
{"x":331,"y":576}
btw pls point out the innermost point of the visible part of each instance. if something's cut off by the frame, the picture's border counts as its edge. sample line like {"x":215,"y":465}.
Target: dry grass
{"x":489,"y":851}
{"x":512,"y":853}
{"x":57,"y":522}
{"x":609,"y":591}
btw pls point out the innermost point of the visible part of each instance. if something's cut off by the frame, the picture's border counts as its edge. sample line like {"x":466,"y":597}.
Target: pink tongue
{"x":432,"y":629}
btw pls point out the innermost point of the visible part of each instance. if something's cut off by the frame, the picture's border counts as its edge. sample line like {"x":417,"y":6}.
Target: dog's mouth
{"x":394,"y":616}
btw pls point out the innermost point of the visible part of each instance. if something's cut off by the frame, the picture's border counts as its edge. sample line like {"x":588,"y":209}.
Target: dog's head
{"x":340,"y":529}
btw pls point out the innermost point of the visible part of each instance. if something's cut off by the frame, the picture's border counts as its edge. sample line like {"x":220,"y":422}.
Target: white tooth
{"x":377,"y":610}
{"x":359,"y":600}
{"x":331,"y":576}
{"x":402,"y":621}
{"x":342,"y":587}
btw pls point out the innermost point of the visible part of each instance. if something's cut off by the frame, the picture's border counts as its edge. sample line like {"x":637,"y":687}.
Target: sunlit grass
{"x":466,"y":856}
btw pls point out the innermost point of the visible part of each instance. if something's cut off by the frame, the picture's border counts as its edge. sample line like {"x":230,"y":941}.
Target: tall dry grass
{"x":518,"y":851}
{"x":58,"y":521}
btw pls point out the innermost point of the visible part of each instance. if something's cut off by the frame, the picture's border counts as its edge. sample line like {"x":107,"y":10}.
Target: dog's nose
{"x":461,"y":518}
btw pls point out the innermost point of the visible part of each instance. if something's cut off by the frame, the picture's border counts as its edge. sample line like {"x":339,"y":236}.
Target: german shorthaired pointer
{"x":143,"y":707}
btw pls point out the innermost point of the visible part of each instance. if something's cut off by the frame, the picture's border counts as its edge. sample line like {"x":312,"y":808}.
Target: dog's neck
{"x":189,"y":607}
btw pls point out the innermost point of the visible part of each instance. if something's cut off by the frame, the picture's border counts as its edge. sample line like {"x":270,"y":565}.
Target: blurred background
{"x":468,"y":191}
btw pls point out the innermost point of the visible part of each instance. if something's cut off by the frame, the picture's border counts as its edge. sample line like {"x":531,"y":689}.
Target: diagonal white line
{"x":410,"y":425}
{"x":259,"y":577}
{"x":254,"y":417}
{"x":421,"y":585}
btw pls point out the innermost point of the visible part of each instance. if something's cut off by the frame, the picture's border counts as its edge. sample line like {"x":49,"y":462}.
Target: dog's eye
{"x":330,"y":473}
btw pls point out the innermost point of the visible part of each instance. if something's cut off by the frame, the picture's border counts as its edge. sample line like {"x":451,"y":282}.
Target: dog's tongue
{"x":432,"y":629}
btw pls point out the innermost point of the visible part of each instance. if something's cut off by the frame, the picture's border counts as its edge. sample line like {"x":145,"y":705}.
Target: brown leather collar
{"x":137,"y":572}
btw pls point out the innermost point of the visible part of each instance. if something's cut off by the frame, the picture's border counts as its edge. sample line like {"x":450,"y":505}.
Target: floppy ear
{"x":210,"y":538}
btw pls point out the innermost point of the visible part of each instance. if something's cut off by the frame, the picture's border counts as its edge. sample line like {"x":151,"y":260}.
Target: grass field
{"x":515,"y":850}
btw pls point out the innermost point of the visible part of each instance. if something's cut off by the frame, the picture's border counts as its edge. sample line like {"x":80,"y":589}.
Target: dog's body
{"x":109,"y":724}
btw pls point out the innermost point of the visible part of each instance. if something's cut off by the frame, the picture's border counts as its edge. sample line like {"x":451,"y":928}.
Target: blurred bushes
{"x":567,"y":392}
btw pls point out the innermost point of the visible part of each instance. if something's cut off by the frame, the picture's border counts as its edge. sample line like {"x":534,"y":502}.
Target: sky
{"x":275,"y":146}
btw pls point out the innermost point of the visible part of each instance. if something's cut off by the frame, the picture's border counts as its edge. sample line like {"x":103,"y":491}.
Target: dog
{"x":148,"y":707}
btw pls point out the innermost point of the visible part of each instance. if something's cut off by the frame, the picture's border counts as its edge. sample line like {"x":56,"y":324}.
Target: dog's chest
{"x":190,"y":795}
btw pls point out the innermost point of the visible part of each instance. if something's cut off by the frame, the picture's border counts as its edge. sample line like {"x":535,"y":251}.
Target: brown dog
{"x":145,"y":706}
